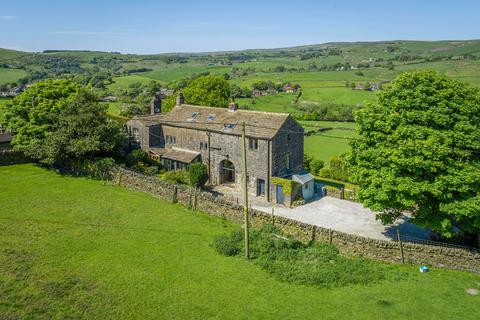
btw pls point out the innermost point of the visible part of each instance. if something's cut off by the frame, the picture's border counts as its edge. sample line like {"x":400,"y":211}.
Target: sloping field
{"x":78,"y":248}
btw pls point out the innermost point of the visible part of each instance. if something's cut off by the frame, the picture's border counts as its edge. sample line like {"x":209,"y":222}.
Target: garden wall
{"x":454,"y":258}
{"x":9,"y":157}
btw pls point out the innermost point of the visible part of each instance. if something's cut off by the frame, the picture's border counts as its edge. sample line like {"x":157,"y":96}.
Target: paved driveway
{"x":345,"y":216}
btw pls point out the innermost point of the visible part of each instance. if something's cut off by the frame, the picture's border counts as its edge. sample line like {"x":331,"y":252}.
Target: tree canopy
{"x":55,"y":120}
{"x":82,"y":131}
{"x":208,"y":91}
{"x":198,"y":174}
{"x":33,"y":113}
{"x":419,"y":151}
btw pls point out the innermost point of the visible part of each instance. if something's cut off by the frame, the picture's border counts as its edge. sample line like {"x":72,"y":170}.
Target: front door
{"x":260,"y":187}
{"x":279,"y":193}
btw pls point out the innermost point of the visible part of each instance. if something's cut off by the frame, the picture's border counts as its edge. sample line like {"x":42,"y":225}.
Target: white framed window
{"x":135,"y":134}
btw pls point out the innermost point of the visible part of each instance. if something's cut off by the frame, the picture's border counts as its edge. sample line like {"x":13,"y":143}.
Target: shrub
{"x":136,"y":156}
{"x":314,"y":264}
{"x":98,"y":169}
{"x":316,"y":165}
{"x":338,"y":169}
{"x":140,"y":161}
{"x":179,"y":176}
{"x":151,"y":170}
{"x":197,"y":174}
{"x":324,"y":173}
{"x":103,"y":168}
{"x":307,"y":159}
{"x":229,"y":245}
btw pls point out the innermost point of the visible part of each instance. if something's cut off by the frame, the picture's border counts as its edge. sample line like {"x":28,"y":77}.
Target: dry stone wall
{"x":348,"y":244}
{"x":10,"y":157}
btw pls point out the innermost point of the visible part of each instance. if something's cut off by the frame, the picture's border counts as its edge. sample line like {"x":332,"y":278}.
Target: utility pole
{"x":209,"y":162}
{"x":245,"y":192}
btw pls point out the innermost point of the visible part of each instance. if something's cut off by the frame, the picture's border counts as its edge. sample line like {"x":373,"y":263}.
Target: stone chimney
{"x":156,"y":104}
{"x":180,"y":99}
{"x":233,"y":106}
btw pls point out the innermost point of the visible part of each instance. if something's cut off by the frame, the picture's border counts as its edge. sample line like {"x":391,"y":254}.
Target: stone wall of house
{"x":224,"y":147}
{"x":289,"y":144}
{"x":143,"y":133}
{"x":440,"y":256}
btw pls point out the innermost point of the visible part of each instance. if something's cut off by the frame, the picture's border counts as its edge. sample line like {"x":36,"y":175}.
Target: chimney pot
{"x":180,"y":99}
{"x":233,"y":106}
{"x":156,"y":104}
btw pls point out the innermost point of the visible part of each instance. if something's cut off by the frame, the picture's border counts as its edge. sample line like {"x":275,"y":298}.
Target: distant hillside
{"x":406,"y":46}
{"x":327,"y":72}
{"x":7,"y":54}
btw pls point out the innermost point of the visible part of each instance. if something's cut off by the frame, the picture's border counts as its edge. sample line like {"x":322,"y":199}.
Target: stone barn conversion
{"x":213,"y":136}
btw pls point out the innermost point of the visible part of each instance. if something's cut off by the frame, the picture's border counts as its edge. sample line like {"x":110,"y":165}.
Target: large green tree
{"x":33,"y":113}
{"x":419,"y":151}
{"x":82,"y":130}
{"x":56,"y":120}
{"x":208,"y":91}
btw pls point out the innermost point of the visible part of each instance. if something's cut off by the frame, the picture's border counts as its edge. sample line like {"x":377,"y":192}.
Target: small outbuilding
{"x":307,"y":181}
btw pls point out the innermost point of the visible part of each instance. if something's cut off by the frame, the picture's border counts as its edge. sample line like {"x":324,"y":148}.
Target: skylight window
{"x":194,"y":115}
{"x":230,"y":126}
{"x":211,"y":117}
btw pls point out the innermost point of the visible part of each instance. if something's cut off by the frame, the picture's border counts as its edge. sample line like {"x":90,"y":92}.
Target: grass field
{"x":11,"y":75}
{"x":326,"y":124}
{"x":330,"y":143}
{"x":281,"y":102}
{"x":123,"y":82}
{"x":79,"y":248}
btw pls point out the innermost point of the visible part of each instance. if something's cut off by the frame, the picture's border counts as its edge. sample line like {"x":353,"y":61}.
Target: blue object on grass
{"x":424,"y":269}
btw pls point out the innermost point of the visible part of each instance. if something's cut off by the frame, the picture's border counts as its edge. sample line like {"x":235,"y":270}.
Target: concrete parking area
{"x":345,"y":216}
{"x":327,"y":212}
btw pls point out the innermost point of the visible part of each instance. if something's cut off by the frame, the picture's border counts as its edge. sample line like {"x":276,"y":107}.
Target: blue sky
{"x":144,"y":26}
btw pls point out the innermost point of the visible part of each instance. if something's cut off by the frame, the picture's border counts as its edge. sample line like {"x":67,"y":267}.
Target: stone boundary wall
{"x":348,"y":244}
{"x":10,"y":157}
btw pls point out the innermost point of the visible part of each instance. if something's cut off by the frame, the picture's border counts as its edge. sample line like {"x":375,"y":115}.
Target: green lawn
{"x":79,"y":248}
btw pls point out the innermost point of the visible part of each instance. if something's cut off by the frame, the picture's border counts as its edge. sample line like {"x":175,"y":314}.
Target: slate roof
{"x":302,"y":178}
{"x":259,"y":124}
{"x":182,"y":155}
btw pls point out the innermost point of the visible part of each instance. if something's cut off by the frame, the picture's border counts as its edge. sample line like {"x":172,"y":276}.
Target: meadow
{"x":325,"y":145}
{"x":65,"y":252}
{"x":8,"y":75}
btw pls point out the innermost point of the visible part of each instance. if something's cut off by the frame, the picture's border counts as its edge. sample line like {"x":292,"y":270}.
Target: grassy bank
{"x":78,"y":248}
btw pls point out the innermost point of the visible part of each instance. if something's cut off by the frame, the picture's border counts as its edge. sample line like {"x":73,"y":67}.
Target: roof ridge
{"x":238,"y":110}
{"x":185,"y":150}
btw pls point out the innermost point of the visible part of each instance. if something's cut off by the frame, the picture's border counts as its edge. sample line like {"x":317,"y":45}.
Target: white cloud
{"x":7,"y":17}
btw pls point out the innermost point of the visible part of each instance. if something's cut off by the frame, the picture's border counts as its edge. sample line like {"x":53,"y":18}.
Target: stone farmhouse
{"x":190,"y":133}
